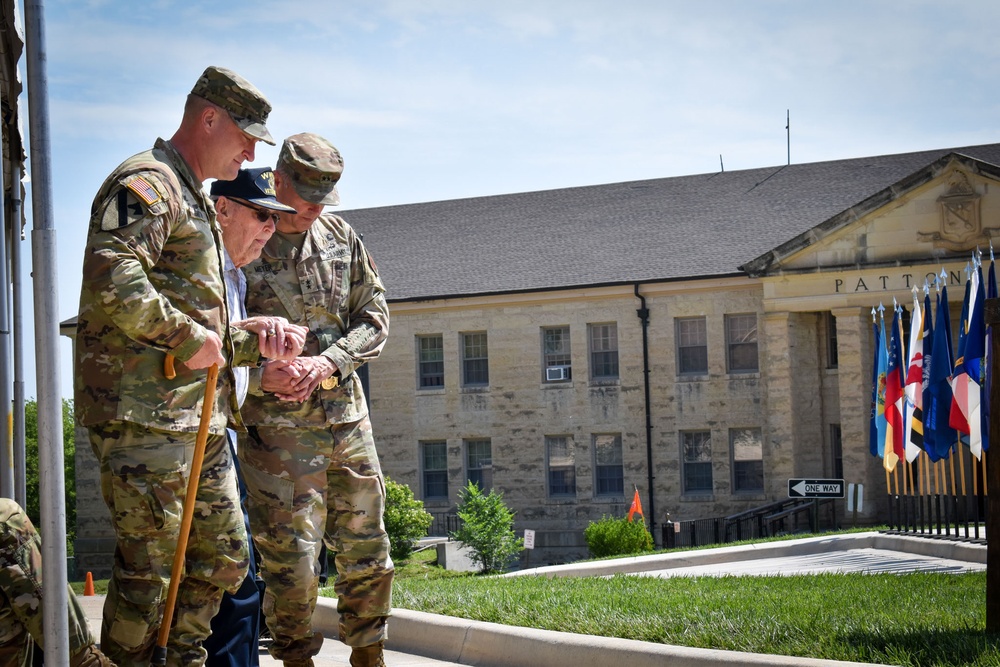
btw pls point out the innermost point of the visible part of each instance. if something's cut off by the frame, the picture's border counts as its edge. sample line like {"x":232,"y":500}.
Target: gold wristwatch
{"x":331,"y":382}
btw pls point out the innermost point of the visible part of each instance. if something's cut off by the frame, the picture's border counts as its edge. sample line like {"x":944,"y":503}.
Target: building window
{"x":748,"y":460}
{"x":832,"y":358}
{"x":560,"y":461}
{"x":475,"y":360}
{"x":556,"y":359}
{"x":603,"y":351}
{"x":696,"y":458}
{"x":434,"y":462}
{"x":837,"y":451}
{"x":430,"y":361}
{"x":692,"y":346}
{"x":609,"y":473}
{"x":479,"y":463}
{"x":741,"y":341}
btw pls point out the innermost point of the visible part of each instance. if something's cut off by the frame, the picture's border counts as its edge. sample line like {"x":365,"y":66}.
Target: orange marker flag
{"x":636,"y":507}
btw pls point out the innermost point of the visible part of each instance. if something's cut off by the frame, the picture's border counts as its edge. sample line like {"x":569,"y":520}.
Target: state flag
{"x":894,"y":381}
{"x":937,"y":398}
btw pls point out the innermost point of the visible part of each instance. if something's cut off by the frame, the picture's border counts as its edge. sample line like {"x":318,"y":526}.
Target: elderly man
{"x":310,"y":463}
{"x":152,"y":287}
{"x":247,"y":212}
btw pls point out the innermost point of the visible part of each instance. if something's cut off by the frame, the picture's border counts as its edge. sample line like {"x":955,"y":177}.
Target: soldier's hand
{"x":312,"y":371}
{"x":296,"y":380}
{"x":208,"y":354}
{"x":277,"y":337}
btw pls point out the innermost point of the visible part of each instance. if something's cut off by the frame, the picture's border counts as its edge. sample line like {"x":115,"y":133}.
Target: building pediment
{"x":939,"y":213}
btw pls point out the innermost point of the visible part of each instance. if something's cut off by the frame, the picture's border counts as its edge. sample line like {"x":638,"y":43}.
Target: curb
{"x":973,"y":553}
{"x":484,"y":644}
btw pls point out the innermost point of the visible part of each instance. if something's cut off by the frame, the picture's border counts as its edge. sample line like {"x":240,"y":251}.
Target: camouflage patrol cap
{"x":245,"y":104}
{"x":314,"y":166}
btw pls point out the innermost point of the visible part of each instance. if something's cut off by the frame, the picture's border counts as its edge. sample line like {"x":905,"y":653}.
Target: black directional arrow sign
{"x":815,"y":488}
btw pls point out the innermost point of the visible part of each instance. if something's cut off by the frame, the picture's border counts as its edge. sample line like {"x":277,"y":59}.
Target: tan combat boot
{"x":90,"y":656}
{"x":298,"y":663}
{"x":367,"y":656}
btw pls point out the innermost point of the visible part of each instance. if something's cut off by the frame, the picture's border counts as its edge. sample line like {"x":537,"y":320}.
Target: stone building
{"x":702,"y":339}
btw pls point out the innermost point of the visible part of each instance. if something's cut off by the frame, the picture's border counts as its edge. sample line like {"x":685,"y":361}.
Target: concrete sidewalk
{"x":418,"y":639}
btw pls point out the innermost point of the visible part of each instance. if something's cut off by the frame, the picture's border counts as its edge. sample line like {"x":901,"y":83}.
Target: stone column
{"x":794,"y":394}
{"x":855,"y":347}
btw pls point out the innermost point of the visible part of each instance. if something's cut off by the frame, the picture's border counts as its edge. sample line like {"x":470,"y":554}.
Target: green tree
{"x":487,"y":529}
{"x":406,"y":521}
{"x":31,"y":466}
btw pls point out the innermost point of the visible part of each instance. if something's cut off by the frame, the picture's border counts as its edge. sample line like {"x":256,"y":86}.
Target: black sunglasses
{"x":262,"y":214}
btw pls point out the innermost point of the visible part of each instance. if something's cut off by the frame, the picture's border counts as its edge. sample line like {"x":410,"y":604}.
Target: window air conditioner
{"x":554,"y":373}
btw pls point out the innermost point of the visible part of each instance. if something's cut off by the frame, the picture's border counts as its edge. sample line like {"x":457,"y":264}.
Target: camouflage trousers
{"x":21,"y":591}
{"x":309,"y":485}
{"x":144,"y":474}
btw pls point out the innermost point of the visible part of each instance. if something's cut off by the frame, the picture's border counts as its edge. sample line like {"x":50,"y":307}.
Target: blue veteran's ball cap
{"x":253,"y":185}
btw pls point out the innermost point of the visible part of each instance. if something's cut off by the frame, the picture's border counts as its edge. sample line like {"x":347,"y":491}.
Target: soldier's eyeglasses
{"x":262,"y":214}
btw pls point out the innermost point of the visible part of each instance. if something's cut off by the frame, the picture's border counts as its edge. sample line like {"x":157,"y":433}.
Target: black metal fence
{"x":443,"y":525}
{"x":777,"y":518}
{"x":956,"y":517}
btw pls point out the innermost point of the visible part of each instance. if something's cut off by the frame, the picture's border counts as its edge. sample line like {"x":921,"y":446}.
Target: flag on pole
{"x":873,"y":417}
{"x":991,"y":293}
{"x":913,"y":439}
{"x":937,"y":399}
{"x":958,"y":413}
{"x":636,"y":507}
{"x":894,"y":394}
{"x":974,"y":361}
{"x":927,"y":438}
{"x":883,"y":364}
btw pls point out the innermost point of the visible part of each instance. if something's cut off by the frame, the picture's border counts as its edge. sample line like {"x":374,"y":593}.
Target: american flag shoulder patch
{"x":143,"y":190}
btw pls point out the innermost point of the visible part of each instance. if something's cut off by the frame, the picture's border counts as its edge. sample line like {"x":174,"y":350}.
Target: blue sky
{"x":441,"y":99}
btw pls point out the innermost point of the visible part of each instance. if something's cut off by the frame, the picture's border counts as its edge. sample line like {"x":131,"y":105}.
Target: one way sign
{"x":815,"y":488}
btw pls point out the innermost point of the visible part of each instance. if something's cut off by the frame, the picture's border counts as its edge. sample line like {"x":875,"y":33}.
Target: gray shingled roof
{"x":661,"y":229}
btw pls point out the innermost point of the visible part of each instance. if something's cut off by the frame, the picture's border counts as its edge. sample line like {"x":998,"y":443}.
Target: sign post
{"x":815,"y":488}
{"x":529,"y":543}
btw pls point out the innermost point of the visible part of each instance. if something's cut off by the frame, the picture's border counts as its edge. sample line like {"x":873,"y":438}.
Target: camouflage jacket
{"x":331,"y":286}
{"x":152,"y":284}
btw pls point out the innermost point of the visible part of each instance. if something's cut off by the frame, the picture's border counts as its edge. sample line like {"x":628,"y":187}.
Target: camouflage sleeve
{"x":246,"y":347}
{"x":128,"y":232}
{"x":369,"y":315}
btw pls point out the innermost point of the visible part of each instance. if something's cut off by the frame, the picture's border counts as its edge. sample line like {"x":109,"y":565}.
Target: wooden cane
{"x":168,"y":367}
{"x":160,"y":652}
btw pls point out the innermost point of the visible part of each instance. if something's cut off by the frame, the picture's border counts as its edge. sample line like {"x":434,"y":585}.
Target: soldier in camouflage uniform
{"x":21,"y":597}
{"x":310,"y":463}
{"x":152,"y":286}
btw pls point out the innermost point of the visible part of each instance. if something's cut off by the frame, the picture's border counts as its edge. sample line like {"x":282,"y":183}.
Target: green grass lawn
{"x":912,"y":619}
{"x":918,"y":619}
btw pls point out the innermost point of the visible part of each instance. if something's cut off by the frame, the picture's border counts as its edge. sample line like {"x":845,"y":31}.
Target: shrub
{"x":487,"y":529}
{"x":617,"y":537}
{"x":405,"y":519}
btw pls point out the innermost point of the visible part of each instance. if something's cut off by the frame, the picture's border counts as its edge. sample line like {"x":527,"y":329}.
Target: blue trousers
{"x":233,"y":642}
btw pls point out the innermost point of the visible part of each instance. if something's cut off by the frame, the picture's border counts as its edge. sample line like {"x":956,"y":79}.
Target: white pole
{"x":43,"y":262}
{"x":8,"y":461}
{"x":17,"y":335}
